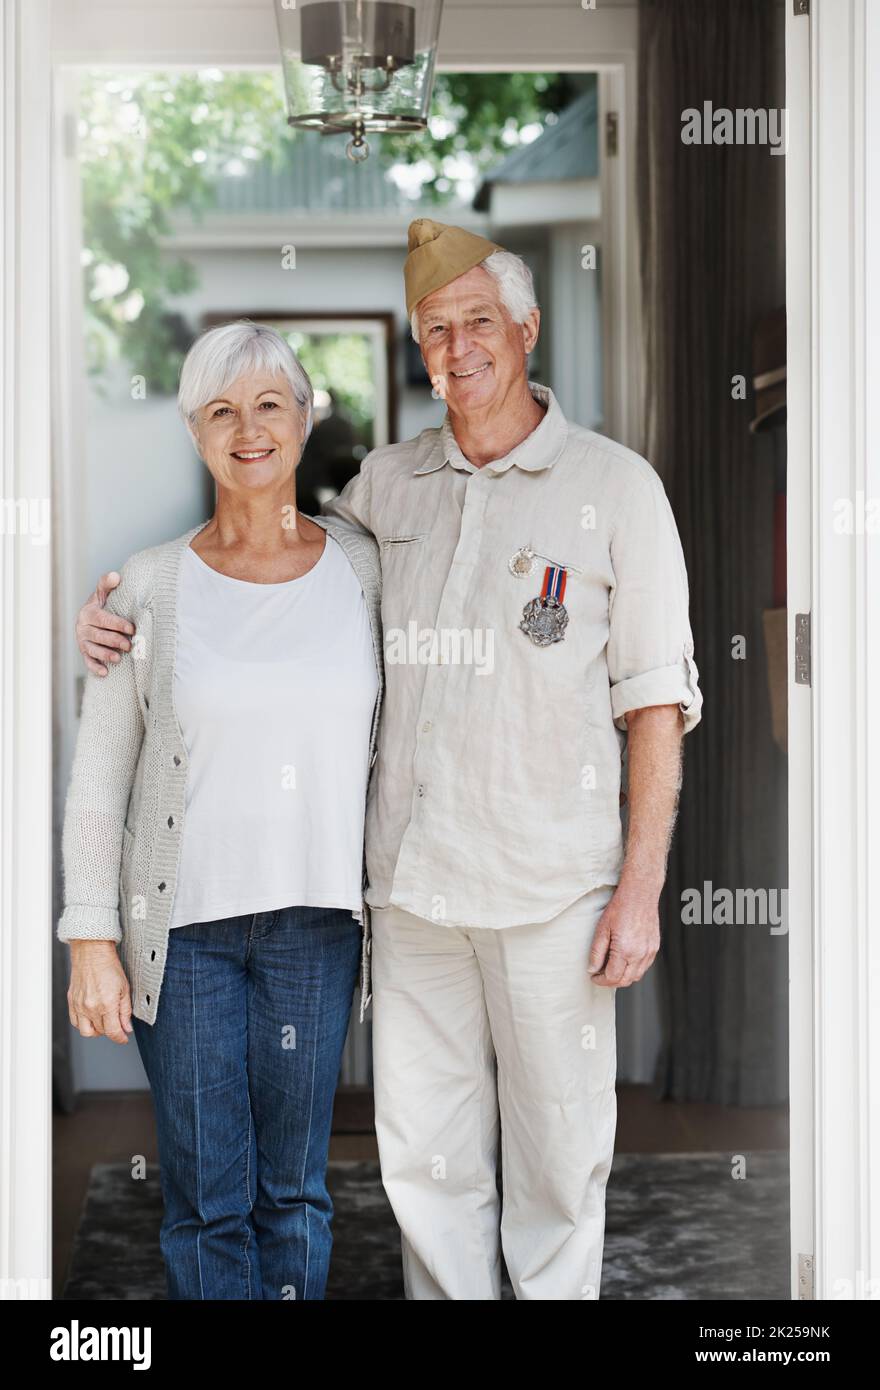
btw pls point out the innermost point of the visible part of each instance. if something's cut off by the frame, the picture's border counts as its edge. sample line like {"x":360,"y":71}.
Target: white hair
{"x":515,"y":286}
{"x":221,"y":355}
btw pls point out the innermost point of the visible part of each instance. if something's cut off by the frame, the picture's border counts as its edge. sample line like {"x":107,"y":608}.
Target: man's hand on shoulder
{"x":101,"y":635}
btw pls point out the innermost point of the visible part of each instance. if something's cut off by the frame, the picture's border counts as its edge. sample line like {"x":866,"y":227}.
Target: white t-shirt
{"x":274,"y":688}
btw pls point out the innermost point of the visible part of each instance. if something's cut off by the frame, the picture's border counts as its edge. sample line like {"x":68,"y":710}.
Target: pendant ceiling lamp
{"x":358,"y":66}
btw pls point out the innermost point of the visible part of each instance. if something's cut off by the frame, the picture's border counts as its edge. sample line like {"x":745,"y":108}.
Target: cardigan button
{"x":162,"y":886}
{"x":170,"y":822}
{"x":176,"y":760}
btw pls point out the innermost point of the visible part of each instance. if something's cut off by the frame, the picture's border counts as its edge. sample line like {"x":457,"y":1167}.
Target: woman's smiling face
{"x":252,"y":436}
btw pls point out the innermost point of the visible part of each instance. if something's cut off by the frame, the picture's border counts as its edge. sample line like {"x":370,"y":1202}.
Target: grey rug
{"x":678,"y":1226}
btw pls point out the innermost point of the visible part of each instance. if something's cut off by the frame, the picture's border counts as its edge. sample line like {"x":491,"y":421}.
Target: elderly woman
{"x":213,"y":835}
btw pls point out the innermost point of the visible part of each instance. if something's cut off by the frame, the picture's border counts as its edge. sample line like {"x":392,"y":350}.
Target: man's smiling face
{"x":467,"y":337}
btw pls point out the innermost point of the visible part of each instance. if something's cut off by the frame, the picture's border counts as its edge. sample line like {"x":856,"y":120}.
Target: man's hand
{"x":101,"y":636}
{"x":99,"y":997}
{"x":627,"y":938}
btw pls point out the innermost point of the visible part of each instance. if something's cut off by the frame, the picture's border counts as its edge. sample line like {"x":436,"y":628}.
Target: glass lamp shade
{"x":357,"y":66}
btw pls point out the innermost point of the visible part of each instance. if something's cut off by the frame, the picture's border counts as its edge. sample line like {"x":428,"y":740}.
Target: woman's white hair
{"x":219,"y":356}
{"x":515,"y":286}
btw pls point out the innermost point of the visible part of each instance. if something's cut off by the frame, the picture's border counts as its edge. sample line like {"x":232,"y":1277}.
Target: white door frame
{"x":833,"y":224}
{"x":800,"y":726}
{"x":25,"y":655}
{"x":834,"y":448}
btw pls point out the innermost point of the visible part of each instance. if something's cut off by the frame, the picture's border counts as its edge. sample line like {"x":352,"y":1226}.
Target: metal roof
{"x":316,"y":175}
{"x":567,"y":149}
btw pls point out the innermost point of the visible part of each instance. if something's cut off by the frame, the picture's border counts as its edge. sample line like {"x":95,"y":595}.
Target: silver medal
{"x":522,"y":564}
{"x":544,"y":620}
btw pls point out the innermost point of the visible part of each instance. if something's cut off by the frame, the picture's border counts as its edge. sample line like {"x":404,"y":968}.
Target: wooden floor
{"x":114,"y":1127}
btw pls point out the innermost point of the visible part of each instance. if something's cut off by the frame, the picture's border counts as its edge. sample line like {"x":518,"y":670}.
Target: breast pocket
{"x":403,"y":558}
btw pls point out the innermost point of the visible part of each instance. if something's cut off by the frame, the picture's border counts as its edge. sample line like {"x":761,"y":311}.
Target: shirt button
{"x":426,"y":727}
{"x":420,"y":789}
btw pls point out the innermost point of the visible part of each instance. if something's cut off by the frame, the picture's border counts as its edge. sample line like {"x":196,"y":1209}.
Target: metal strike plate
{"x":803,"y":650}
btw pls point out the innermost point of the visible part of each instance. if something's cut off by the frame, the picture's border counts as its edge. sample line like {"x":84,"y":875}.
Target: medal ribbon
{"x":554,"y":582}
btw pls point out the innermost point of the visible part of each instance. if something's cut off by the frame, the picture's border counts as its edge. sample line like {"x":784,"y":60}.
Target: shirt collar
{"x":540,"y":449}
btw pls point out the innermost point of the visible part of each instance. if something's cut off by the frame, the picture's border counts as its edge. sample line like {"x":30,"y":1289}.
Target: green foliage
{"x":341,"y":363}
{"x":151,"y":142}
{"x":476,"y":119}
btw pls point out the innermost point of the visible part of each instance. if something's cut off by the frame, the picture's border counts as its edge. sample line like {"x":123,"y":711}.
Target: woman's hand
{"x":99,"y":997}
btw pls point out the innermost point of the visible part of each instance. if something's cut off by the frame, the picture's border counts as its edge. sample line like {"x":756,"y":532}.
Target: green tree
{"x":341,"y":363}
{"x":148,"y":143}
{"x":476,"y":119}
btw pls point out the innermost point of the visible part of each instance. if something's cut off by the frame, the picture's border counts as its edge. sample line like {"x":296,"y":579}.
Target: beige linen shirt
{"x":495,"y":799}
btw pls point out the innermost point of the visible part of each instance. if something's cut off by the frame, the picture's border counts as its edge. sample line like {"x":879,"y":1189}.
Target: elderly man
{"x":535,"y":608}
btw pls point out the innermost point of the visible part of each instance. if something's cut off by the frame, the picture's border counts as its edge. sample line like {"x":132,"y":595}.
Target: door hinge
{"x":611,"y":132}
{"x":803,"y":649}
{"x":800,"y":6}
{"x":805,"y":1276}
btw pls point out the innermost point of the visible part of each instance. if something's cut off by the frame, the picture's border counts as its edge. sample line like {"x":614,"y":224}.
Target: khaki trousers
{"x":472,"y":1026}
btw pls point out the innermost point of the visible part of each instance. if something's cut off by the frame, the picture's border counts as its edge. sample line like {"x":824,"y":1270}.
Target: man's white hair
{"x":515,"y":285}
{"x":219,"y":356}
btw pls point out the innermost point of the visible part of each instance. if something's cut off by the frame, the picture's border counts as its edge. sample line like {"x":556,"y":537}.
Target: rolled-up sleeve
{"x":650,"y":644}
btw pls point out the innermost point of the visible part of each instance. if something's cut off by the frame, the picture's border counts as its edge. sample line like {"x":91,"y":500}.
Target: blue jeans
{"x":243,"y":1061}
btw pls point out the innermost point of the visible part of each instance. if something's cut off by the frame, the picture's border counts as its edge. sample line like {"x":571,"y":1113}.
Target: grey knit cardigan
{"x":126,"y":802}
